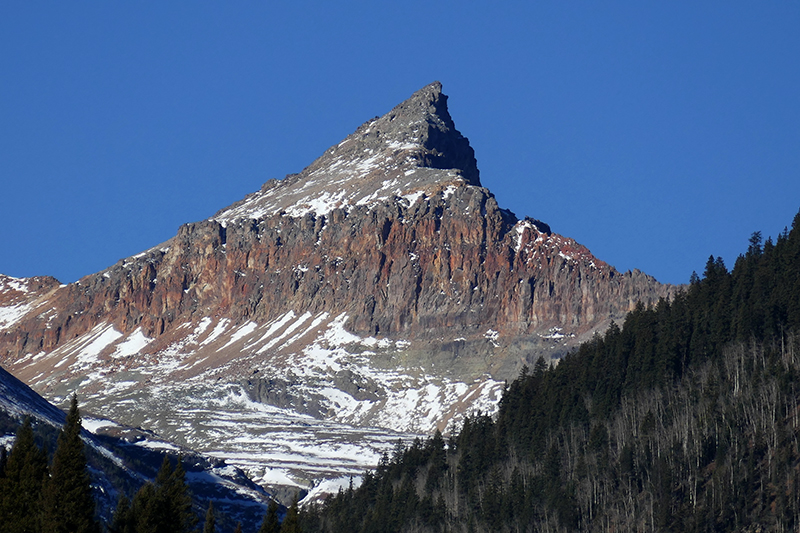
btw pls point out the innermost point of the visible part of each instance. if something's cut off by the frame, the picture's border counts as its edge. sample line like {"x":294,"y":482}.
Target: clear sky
{"x":654,"y":133}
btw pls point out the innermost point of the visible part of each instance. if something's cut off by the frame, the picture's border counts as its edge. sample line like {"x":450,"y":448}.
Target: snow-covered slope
{"x":122,"y":458}
{"x":326,"y":410}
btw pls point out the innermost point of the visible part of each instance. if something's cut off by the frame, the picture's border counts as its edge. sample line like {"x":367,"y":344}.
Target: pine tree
{"x":20,"y":489}
{"x":67,"y":496}
{"x":3,"y":461}
{"x":166,"y":505}
{"x":211,"y":521}
{"x":175,"y":492}
{"x":755,"y":244}
{"x":163,"y":506}
{"x":291,"y":524}
{"x":123,"y":521}
{"x":271,"y":524}
{"x":145,"y":516}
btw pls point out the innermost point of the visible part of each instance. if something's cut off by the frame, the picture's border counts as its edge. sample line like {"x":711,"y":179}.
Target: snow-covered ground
{"x":199,"y":391}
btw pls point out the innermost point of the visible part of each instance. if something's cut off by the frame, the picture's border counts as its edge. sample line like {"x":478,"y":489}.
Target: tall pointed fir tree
{"x":173,"y":492}
{"x":3,"y":461}
{"x":144,"y":514}
{"x":291,"y":523}
{"x":68,"y":504}
{"x":21,"y":487}
{"x":162,"y":506}
{"x":122,"y":521}
{"x":271,"y":524}
{"x":210,"y":525}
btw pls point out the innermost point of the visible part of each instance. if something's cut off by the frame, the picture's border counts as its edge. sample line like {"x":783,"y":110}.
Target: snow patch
{"x":17,"y":284}
{"x":331,"y":486}
{"x":492,"y":336}
{"x":288,"y":331}
{"x":94,"y":342}
{"x":413,"y":197}
{"x":95,"y":424}
{"x":273,"y":328}
{"x":218,"y":330}
{"x":556,"y":333}
{"x":135,"y":343}
{"x":240,"y":333}
{"x":12,"y":314}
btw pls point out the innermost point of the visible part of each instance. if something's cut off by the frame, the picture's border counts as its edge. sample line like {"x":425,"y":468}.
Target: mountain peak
{"x":413,"y":147}
{"x":446,"y":147}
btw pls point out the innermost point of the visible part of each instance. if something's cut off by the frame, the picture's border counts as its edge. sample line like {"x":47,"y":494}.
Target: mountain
{"x":380,"y":293}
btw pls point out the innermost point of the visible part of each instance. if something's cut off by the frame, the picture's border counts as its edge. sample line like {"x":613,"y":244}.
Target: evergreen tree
{"x":755,"y":244}
{"x":271,"y":524}
{"x":291,"y":523}
{"x":145,"y":515}
{"x":175,"y":492}
{"x":238,"y":528}
{"x":20,"y":489}
{"x":122,"y":521}
{"x":68,"y":502}
{"x":164,"y":506}
{"x":211,"y":521}
{"x":3,"y":461}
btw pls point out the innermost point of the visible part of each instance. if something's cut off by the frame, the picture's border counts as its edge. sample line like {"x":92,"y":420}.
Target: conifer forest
{"x":685,"y":417}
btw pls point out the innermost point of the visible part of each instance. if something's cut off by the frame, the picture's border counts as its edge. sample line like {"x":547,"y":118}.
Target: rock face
{"x":384,"y":253}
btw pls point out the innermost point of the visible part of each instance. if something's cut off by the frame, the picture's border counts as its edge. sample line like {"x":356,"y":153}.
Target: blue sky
{"x":654,"y":133}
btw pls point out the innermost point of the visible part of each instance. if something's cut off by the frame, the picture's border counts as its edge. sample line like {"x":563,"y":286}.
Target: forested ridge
{"x":684,"y":419}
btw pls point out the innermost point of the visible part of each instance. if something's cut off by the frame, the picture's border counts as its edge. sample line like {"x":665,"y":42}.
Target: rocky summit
{"x":378,"y":294}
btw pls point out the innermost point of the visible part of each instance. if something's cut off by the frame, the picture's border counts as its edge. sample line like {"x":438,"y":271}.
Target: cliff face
{"x":451,"y":262}
{"x":383,"y":267}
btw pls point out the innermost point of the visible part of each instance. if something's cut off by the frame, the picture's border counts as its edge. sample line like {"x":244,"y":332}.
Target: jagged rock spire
{"x":413,"y":147}
{"x":425,"y":120}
